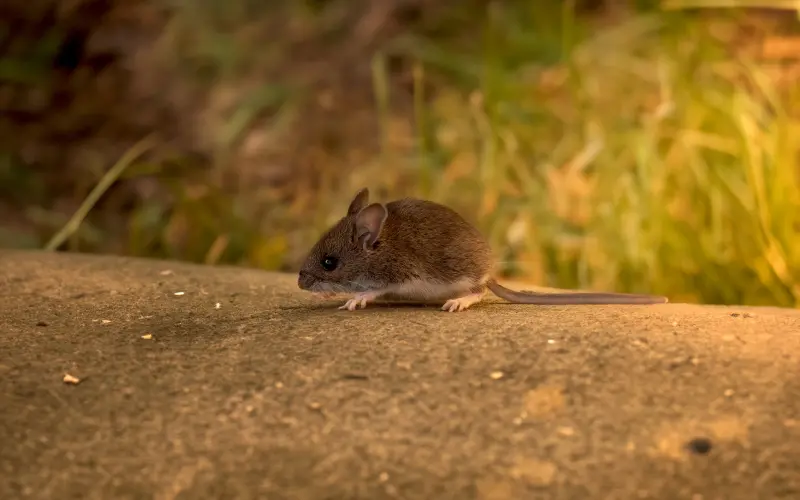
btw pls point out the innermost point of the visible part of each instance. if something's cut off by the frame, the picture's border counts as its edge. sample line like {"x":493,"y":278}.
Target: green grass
{"x":648,"y":160}
{"x":638,"y":155}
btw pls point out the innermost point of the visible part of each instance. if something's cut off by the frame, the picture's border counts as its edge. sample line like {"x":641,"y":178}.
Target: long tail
{"x":528,"y":297}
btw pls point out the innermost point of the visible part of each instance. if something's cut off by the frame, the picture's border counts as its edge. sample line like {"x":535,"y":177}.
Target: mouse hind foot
{"x":464,"y":302}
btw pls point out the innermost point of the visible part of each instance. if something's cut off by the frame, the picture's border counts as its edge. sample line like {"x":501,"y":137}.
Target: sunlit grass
{"x":650,"y":160}
{"x":636,"y":155}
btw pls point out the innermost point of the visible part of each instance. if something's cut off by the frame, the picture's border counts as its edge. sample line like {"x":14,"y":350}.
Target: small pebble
{"x":383,"y":477}
{"x":496,"y":375}
{"x":700,"y":446}
{"x":728,"y":393}
{"x":147,"y":336}
{"x":69,"y":379}
{"x":179,"y":293}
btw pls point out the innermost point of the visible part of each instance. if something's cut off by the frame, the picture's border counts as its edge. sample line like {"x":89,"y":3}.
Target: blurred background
{"x":638,"y":146}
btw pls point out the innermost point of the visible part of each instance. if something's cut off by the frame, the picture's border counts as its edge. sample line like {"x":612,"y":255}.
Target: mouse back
{"x":436,"y":241}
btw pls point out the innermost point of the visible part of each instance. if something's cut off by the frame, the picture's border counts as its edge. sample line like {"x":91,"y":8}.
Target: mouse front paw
{"x":359,"y":300}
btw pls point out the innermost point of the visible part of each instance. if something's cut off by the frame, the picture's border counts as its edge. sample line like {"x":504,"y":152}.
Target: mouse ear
{"x":369,"y":224}
{"x":359,"y":201}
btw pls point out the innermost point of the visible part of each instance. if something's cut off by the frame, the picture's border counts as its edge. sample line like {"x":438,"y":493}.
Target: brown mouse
{"x":421,"y":251}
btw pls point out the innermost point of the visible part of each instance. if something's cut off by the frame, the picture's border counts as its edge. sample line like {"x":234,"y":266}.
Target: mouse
{"x":418,"y":250}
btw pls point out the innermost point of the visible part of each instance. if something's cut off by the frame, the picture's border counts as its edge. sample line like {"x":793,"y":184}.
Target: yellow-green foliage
{"x":639,"y":155}
{"x":653,"y":160}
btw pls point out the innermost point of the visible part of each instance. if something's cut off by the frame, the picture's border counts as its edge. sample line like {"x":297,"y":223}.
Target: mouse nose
{"x":304,"y":280}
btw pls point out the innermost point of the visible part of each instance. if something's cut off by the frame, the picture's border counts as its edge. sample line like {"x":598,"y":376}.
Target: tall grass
{"x":650,"y":159}
{"x":636,"y":155}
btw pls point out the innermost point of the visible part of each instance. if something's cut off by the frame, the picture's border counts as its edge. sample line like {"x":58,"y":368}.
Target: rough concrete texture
{"x":250,"y":388}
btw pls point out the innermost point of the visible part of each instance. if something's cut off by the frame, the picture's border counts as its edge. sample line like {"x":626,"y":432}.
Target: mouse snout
{"x":305,"y":281}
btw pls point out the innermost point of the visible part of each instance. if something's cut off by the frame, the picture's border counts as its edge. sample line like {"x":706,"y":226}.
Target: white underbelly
{"x":419,"y":289}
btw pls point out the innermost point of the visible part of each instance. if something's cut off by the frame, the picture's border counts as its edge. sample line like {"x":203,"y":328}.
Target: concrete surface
{"x":275,"y":394}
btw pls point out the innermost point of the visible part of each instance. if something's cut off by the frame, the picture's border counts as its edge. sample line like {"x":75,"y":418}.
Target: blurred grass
{"x":106,"y":181}
{"x":650,"y":159}
{"x":641,"y":153}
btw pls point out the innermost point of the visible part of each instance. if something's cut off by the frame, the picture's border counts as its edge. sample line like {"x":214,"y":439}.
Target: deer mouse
{"x":422,"y":251}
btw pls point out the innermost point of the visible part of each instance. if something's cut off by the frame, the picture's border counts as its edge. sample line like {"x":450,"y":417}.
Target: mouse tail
{"x":528,"y":297}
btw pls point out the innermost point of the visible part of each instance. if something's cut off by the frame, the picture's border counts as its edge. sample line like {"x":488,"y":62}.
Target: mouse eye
{"x":329,"y":262}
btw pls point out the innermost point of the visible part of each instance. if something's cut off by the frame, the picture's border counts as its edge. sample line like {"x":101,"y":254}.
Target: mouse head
{"x":340,"y":260}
